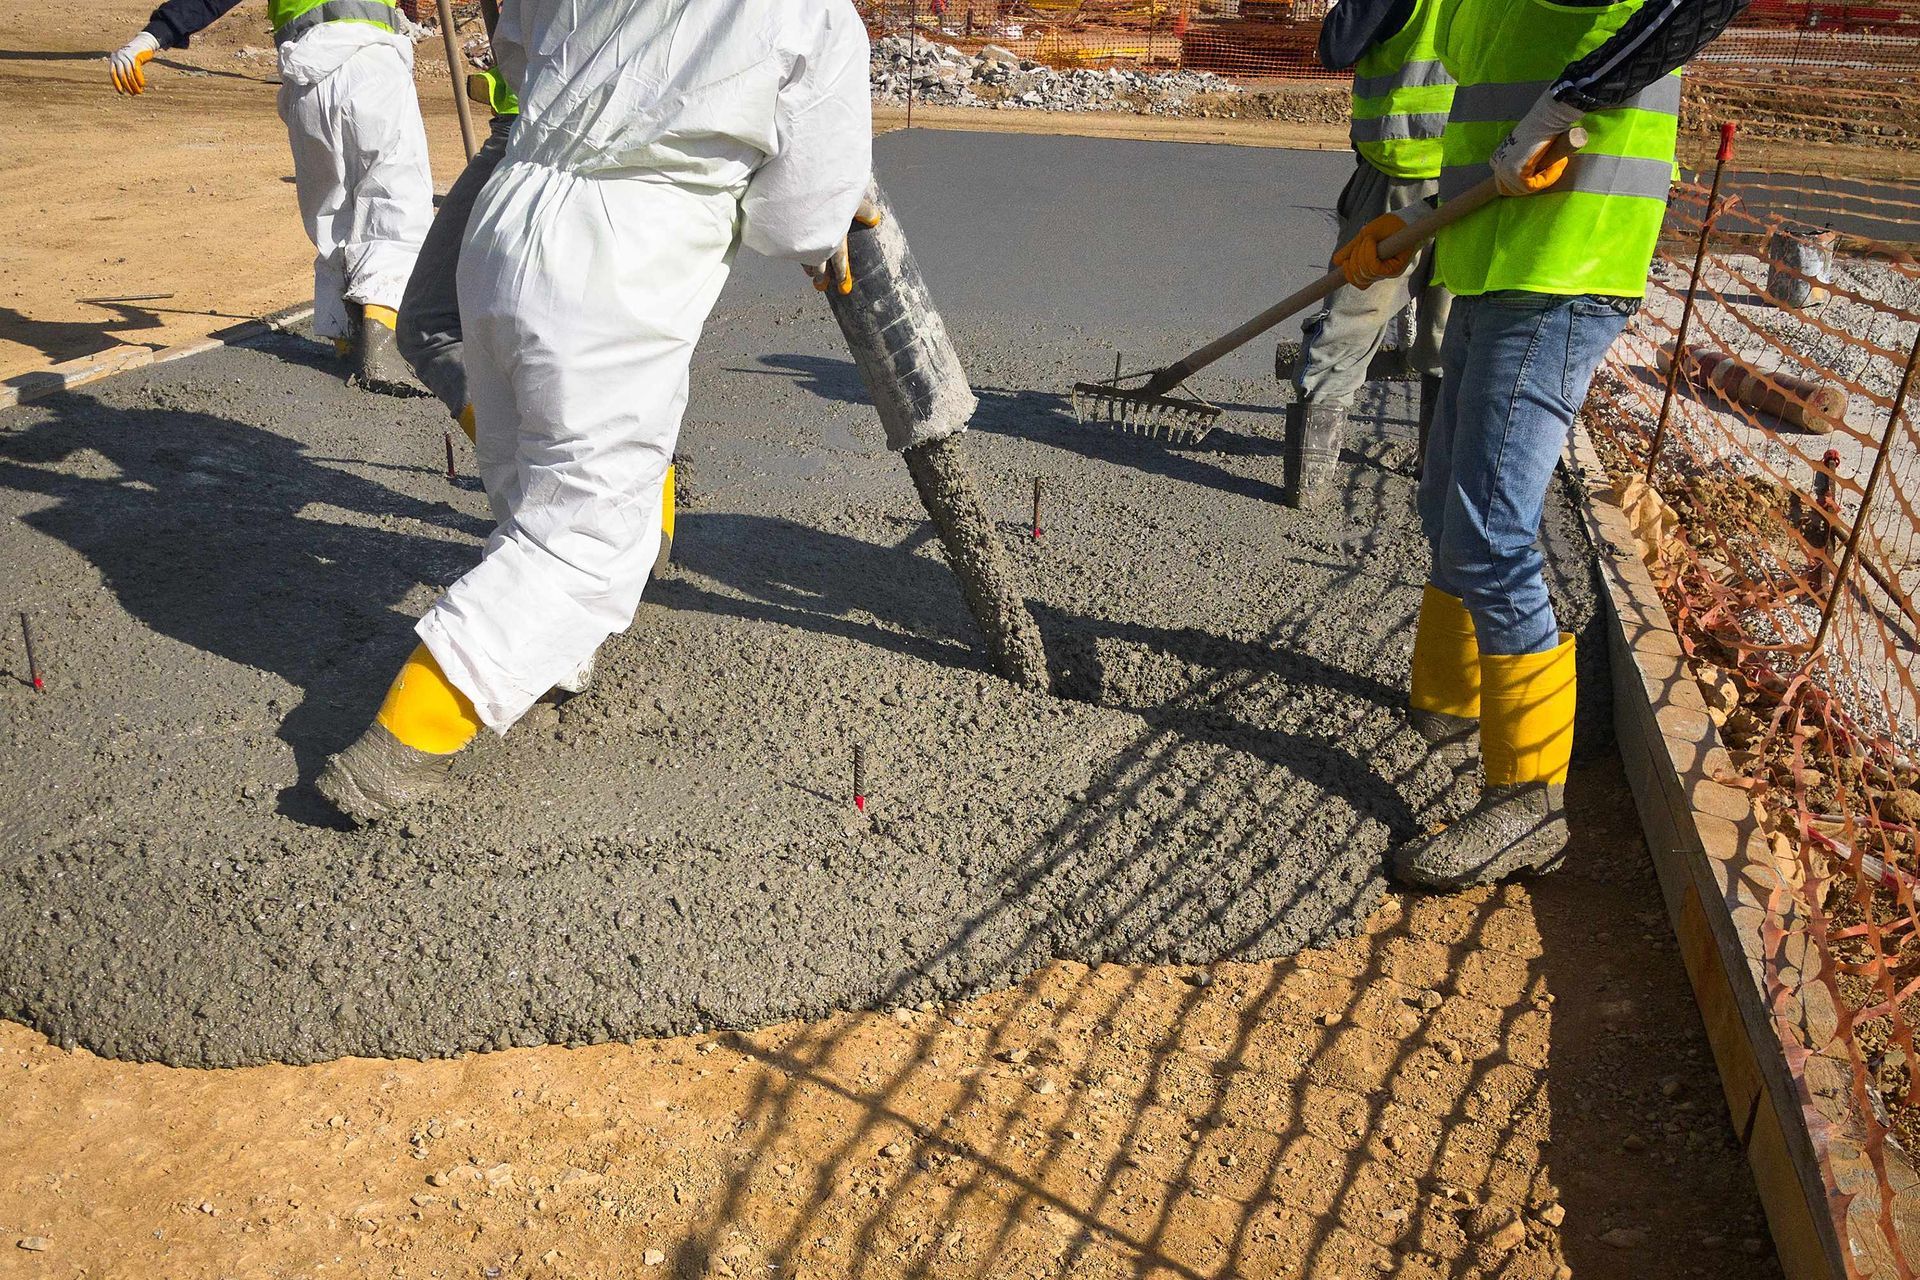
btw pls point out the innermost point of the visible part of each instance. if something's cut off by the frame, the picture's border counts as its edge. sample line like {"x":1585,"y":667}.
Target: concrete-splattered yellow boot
{"x":405,"y":755}
{"x":1520,"y":821}
{"x":1444,"y":703}
{"x":377,"y":363}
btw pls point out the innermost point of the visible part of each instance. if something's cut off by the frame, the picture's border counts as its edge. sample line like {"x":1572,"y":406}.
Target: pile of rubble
{"x":996,"y":77}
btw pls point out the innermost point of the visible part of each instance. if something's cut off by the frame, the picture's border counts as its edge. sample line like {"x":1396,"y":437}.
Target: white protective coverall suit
{"x":359,"y":164}
{"x":654,"y":137}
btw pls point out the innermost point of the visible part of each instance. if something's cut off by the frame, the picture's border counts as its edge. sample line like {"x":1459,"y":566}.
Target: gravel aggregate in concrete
{"x":224,"y":557}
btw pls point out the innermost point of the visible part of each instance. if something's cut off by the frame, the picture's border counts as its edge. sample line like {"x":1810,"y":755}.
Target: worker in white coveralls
{"x":655,"y":136}
{"x":359,"y":156}
{"x":1543,"y":282}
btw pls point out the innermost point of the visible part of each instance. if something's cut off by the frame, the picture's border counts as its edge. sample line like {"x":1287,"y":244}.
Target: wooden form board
{"x":39,"y":383}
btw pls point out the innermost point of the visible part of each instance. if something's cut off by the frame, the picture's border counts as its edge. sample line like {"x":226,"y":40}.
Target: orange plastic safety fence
{"x":1791,"y":458}
{"x":1257,"y":39}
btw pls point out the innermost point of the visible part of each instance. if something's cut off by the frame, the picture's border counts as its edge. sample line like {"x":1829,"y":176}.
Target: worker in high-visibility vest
{"x":359,"y":156}
{"x":1401,"y":92}
{"x":1543,"y":281}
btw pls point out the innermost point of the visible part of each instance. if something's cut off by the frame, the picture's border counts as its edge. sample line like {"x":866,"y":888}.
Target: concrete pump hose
{"x":898,"y":340}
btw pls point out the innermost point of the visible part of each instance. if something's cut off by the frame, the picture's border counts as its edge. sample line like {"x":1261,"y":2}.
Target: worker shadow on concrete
{"x":70,"y":339}
{"x":233,"y":540}
{"x":768,"y":569}
{"x":1045,"y":417}
{"x":837,"y":380}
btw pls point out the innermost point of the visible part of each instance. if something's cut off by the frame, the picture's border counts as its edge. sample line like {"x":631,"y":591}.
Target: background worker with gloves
{"x":359,"y":155}
{"x":655,"y":136}
{"x":1543,"y":281}
{"x":1401,"y":93}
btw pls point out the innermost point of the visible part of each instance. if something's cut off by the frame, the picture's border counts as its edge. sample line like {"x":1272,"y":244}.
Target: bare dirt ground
{"x":186,"y":190}
{"x":1510,"y":1083}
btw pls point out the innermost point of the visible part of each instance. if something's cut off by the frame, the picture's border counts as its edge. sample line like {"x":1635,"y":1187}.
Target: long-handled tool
{"x":1148,"y":409}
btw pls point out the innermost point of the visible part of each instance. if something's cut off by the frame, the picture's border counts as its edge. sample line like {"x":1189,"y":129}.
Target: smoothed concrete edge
{"x":36,"y":384}
{"x":1731,"y":899}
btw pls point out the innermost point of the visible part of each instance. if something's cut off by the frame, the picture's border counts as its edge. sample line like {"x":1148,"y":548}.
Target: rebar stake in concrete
{"x":1036,"y":508}
{"x":859,"y":777}
{"x":33,"y":661}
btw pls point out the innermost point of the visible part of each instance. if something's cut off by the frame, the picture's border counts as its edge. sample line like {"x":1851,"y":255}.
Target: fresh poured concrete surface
{"x":223,"y":558}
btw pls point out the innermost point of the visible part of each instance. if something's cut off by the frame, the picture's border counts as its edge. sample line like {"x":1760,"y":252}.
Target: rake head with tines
{"x":1143,"y":410}
{"x":1149,"y":409}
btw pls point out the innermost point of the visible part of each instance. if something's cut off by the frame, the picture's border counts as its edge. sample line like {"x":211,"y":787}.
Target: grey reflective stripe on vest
{"x":1414,"y":75}
{"x":1595,"y":174}
{"x":1481,"y":102}
{"x":335,"y":11}
{"x":1393,"y":128}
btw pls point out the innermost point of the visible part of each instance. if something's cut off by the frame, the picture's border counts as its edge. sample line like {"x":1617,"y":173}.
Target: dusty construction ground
{"x":1501,"y":1084}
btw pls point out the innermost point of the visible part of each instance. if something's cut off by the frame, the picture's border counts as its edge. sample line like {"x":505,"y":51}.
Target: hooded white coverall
{"x":654,"y":137}
{"x":359,"y":164}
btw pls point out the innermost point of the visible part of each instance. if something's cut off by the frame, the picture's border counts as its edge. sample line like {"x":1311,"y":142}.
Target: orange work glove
{"x":1359,"y":259}
{"x":836,"y":273}
{"x":126,"y":64}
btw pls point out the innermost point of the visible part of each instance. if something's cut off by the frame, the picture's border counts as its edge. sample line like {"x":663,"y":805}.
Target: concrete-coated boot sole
{"x":1311,"y":457}
{"x":378,"y":366}
{"x":1511,"y":830}
{"x":1455,"y":739}
{"x":379,"y":774}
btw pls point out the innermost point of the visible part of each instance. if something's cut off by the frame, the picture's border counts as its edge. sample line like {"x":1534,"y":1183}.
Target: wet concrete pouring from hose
{"x":223,"y":558}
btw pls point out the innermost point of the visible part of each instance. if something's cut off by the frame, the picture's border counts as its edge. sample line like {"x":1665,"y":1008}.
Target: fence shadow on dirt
{"x":1275,"y":1116}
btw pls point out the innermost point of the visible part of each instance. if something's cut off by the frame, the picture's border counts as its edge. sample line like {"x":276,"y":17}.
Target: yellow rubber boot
{"x":666,"y":524}
{"x":406,"y":754}
{"x":1526,"y":726}
{"x":379,"y":366}
{"x":424,"y":711}
{"x":1527,"y":704}
{"x":1445,"y":697}
{"x":466,"y":422}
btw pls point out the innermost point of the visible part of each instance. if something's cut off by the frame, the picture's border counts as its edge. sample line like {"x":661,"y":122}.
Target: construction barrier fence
{"x":1773,"y":478}
{"x":1260,"y":39}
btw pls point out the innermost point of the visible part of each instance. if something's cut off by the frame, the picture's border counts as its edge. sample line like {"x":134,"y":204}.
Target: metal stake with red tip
{"x":449,"y":440}
{"x":33,"y":662}
{"x":1036,"y":508}
{"x":859,"y":778}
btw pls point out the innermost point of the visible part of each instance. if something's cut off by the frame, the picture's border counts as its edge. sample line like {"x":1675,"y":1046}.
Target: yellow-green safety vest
{"x":491,"y":88}
{"x":1401,"y":92}
{"x":292,"y":19}
{"x":1594,"y":232}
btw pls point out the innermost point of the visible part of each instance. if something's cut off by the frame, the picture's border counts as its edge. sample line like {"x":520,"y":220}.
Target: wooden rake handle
{"x":1412,"y":236}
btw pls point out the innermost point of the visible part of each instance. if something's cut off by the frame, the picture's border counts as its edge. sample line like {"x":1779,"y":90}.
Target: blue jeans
{"x":1515,"y":368}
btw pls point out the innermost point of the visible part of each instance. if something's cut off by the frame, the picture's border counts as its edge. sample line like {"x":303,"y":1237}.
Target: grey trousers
{"x":429,"y":330}
{"x":1341,"y":340}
